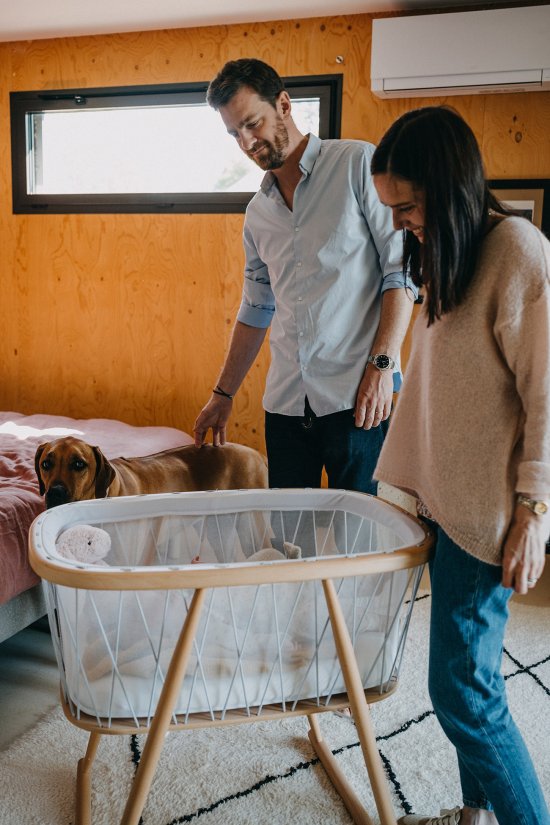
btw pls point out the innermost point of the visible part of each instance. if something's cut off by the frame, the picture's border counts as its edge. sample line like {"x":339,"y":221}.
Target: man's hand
{"x":524,"y":550}
{"x":215,"y":416}
{"x":374,"y":397}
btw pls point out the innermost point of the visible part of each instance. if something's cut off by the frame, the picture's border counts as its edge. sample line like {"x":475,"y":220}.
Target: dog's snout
{"x":56,"y":495}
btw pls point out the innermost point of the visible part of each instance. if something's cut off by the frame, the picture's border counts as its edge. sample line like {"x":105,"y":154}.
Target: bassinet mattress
{"x":20,"y":500}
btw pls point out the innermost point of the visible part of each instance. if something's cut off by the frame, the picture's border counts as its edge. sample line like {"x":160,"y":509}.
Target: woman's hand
{"x":524,"y":549}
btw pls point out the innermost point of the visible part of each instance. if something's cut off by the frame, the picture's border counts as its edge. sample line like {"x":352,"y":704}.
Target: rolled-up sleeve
{"x":388,"y":241}
{"x":257,"y":304}
{"x":399,"y":280}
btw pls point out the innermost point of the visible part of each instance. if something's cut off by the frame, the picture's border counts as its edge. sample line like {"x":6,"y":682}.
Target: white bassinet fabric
{"x":255,"y":645}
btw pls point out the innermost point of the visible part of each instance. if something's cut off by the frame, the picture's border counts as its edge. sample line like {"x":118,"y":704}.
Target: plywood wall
{"x":129,"y":316}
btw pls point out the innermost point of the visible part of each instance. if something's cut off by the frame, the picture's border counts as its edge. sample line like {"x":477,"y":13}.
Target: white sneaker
{"x":446,"y":817}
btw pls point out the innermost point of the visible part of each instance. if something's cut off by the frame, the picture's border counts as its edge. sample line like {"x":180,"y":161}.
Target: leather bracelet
{"x":218,"y":390}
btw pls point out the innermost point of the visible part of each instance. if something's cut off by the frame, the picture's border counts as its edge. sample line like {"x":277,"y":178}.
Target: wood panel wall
{"x":129,"y":316}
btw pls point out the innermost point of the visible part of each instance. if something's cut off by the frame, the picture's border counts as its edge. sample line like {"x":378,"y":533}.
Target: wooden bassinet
{"x":228,"y":607}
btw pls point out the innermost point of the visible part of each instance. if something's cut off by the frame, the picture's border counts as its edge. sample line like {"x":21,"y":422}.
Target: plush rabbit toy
{"x":84,"y":543}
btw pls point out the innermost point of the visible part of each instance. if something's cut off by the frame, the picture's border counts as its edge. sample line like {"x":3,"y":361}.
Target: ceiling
{"x":37,"y":19}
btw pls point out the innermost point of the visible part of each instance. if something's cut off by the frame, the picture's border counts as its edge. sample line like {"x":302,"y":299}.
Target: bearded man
{"x":323,"y":270}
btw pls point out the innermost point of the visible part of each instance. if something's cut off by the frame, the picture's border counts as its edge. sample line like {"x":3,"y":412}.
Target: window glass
{"x":151,"y":149}
{"x":93,"y":151}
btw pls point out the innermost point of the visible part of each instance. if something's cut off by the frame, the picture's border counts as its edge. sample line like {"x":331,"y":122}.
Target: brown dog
{"x":68,"y":469}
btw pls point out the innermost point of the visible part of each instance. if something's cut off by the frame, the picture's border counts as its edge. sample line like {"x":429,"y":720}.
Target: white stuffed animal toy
{"x":84,"y":543}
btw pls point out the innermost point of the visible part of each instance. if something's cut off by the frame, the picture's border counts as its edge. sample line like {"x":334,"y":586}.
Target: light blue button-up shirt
{"x":317,"y":274}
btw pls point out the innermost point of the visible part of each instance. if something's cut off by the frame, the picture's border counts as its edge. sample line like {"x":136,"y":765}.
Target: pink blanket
{"x":20,"y":501}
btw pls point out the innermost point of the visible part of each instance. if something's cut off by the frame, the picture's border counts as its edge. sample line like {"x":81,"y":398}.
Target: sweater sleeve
{"x":522,"y":332}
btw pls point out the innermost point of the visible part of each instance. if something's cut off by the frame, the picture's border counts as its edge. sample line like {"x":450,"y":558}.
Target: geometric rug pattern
{"x":267,"y":773}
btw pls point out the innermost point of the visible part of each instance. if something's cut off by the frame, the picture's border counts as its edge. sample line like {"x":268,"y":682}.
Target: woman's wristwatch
{"x":538,"y":507}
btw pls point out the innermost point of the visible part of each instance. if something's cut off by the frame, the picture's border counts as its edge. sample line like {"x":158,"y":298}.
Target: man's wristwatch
{"x":381,"y":361}
{"x":538,"y":507}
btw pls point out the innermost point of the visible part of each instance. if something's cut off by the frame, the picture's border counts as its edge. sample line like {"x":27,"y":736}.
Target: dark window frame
{"x":327,"y":87}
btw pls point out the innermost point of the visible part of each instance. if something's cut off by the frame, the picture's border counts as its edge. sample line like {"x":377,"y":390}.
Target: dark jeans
{"x":298,"y":447}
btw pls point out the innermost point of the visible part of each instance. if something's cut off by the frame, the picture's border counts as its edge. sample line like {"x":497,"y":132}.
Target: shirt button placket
{"x":299,"y":286}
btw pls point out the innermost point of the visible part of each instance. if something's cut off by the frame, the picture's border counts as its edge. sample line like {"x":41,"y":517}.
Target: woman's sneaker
{"x":446,"y":817}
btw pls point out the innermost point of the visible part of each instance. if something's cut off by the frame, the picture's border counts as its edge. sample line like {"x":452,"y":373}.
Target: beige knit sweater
{"x":472,"y":424}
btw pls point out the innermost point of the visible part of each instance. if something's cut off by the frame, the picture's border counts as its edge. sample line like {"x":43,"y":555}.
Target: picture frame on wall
{"x":530,"y":197}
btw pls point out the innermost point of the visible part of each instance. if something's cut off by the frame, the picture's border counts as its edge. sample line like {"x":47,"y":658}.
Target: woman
{"x":470,"y":438}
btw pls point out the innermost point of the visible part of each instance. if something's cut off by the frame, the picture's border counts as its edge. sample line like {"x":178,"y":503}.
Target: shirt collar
{"x":311,"y":153}
{"x":306,"y":163}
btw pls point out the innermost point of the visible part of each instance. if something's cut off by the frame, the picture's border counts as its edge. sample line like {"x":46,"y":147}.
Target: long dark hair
{"x":436,"y":151}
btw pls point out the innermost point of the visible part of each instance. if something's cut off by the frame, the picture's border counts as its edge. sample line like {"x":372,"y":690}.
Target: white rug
{"x":266,"y":773}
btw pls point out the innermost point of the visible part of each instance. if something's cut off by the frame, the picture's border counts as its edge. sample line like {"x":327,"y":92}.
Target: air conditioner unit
{"x":459,"y":53}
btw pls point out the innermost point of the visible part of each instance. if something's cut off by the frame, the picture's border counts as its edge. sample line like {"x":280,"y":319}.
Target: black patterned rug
{"x":267,"y":773}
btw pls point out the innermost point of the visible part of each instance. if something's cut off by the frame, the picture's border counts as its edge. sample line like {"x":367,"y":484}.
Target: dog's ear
{"x":104,"y":473}
{"x":37,"y":457}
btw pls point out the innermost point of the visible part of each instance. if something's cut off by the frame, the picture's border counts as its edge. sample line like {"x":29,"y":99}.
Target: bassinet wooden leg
{"x":84,"y":782}
{"x":165,"y":708}
{"x":359,"y":706}
{"x":336,"y":776}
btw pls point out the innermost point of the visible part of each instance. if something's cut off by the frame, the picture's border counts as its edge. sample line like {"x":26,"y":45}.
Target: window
{"x":143,"y":149}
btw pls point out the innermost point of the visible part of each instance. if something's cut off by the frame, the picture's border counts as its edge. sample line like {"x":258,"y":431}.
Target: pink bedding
{"x":20,"y":501}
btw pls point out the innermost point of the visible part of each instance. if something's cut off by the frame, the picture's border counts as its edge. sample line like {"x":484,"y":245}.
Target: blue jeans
{"x":469,"y":615}
{"x":298,"y":447}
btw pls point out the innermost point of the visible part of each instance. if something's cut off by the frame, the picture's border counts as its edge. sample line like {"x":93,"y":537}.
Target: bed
{"x":21,"y":598}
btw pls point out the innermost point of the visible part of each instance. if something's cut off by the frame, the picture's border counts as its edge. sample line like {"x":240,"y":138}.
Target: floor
{"x":29,"y":684}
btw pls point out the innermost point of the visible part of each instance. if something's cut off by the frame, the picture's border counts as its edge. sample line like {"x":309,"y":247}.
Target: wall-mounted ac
{"x":457,"y":53}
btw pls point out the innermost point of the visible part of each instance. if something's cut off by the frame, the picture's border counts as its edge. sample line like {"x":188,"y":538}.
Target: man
{"x":323,"y":269}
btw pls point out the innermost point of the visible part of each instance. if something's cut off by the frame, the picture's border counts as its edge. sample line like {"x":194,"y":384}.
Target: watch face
{"x":382,"y":362}
{"x":540,"y":507}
